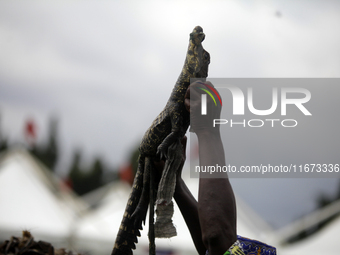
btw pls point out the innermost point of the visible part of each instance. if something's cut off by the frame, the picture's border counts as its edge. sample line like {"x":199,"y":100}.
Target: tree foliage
{"x":82,"y":180}
{"x":48,"y":153}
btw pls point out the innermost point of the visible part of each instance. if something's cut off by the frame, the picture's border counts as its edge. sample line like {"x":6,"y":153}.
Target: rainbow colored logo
{"x":209,"y":93}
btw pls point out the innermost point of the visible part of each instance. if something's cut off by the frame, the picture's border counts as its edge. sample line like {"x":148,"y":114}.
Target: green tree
{"x":3,"y":141}
{"x":48,"y":153}
{"x":95,"y":176}
{"x":51,"y":152}
{"x":75,"y":174}
{"x":84,"y":181}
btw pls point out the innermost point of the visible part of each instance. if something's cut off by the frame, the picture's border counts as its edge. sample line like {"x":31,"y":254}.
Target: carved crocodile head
{"x":198,"y":59}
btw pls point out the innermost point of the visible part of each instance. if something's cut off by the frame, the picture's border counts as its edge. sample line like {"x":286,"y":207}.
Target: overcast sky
{"x":106,"y":69}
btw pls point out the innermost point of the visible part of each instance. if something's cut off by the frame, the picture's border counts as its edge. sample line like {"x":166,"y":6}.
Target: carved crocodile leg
{"x":139,"y":213}
{"x":167,"y":183}
{"x":164,"y":227}
{"x":178,"y":128}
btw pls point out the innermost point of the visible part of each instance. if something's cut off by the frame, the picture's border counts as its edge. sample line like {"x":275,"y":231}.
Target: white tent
{"x":33,"y":199}
{"x":324,"y":241}
{"x":97,"y":231}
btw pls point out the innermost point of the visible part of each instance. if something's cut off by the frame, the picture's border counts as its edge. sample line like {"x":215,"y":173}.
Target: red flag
{"x":126,"y":174}
{"x":30,"y":131}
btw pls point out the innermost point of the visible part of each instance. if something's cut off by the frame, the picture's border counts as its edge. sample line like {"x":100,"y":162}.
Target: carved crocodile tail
{"x":127,"y":234}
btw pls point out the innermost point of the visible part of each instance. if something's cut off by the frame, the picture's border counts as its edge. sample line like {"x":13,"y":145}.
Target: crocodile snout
{"x":197,"y":33}
{"x":198,"y":29}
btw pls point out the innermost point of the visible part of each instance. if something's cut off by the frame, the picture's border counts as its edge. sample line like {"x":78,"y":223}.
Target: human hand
{"x":199,"y":122}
